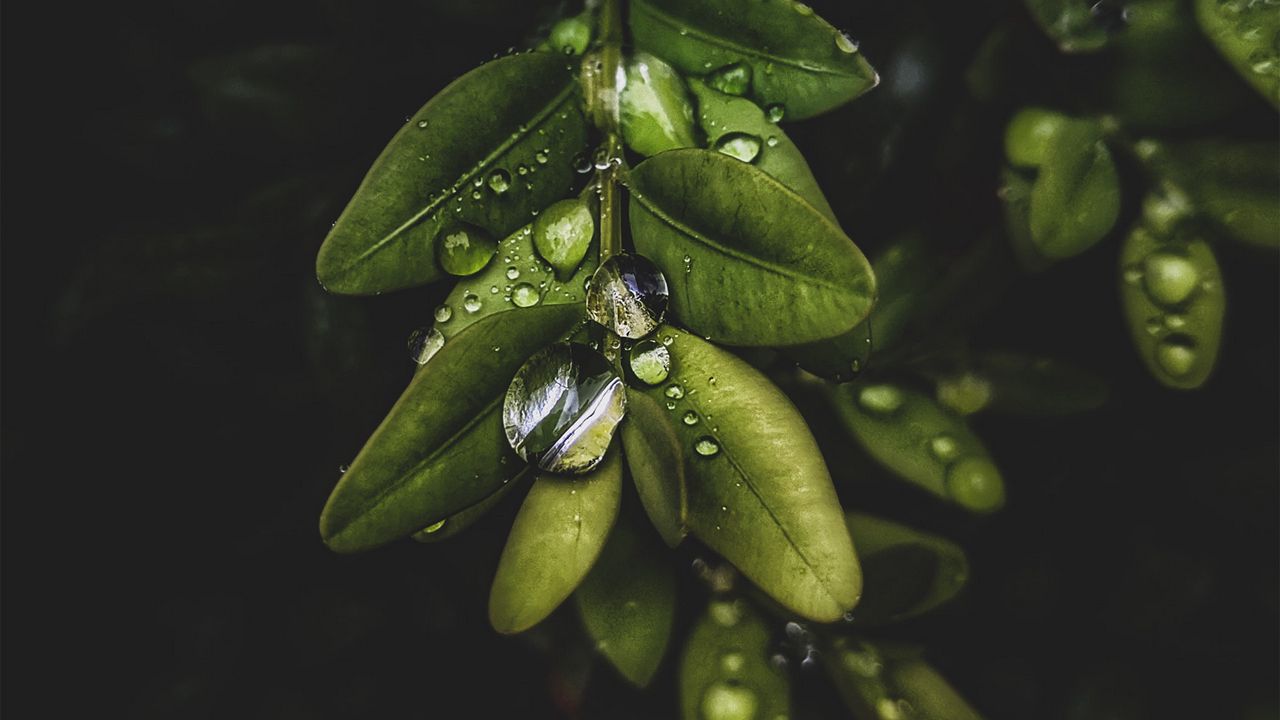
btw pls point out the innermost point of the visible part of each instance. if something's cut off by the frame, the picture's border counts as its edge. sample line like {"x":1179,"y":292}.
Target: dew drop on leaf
{"x":471,"y":302}
{"x":424,"y":343}
{"x":1168,"y":278}
{"x":435,"y":527}
{"x":944,"y":448}
{"x":732,"y":663}
{"x":674,"y":391}
{"x":846,"y":44}
{"x":562,"y":408}
{"x":706,"y":446}
{"x":513,"y":273}
{"x":499,"y":181}
{"x":743,"y":146}
{"x":881,"y":399}
{"x":525,"y":295}
{"x":728,"y":701}
{"x":443,"y":313}
{"x":650,"y":362}
{"x":690,"y":418}
{"x":1176,"y":355}
{"x":732,"y":79}
{"x":465,"y":249}
{"x":776,"y":112}
{"x":628,"y":295}
{"x":562,"y":234}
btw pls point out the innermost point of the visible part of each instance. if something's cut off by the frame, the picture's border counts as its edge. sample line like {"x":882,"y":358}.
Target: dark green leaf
{"x":655,"y":458}
{"x":720,"y":115}
{"x":1248,"y":36}
{"x":1076,"y":197}
{"x":725,"y":671}
{"x":1073,"y":24}
{"x":906,"y":572}
{"x":748,"y":261}
{"x":1173,"y":298}
{"x":490,"y":121}
{"x":885,"y":681}
{"x":441,"y":448}
{"x":655,"y":111}
{"x":628,"y":602}
{"x":759,"y":491}
{"x":557,"y":536}
{"x":797,"y":59}
{"x":459,"y":521}
{"x":907,"y":432}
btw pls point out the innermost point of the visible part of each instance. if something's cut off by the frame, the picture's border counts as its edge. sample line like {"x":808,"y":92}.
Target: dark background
{"x":178,"y":394}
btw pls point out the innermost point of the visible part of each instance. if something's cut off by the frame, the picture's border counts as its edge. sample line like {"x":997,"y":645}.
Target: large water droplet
{"x":1176,"y":355}
{"x":881,"y":399}
{"x":975,"y":483}
{"x":706,"y":446}
{"x":650,"y":361}
{"x":1169,"y":279}
{"x":525,"y":295}
{"x":465,"y":249}
{"x":562,"y":408}
{"x":628,"y":295}
{"x":743,"y":146}
{"x":562,"y":234}
{"x":424,"y":343}
{"x":728,"y":701}
{"x":499,"y":181}
{"x":732,"y":79}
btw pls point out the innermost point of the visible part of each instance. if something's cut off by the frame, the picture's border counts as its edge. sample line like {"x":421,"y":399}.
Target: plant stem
{"x":608,"y":123}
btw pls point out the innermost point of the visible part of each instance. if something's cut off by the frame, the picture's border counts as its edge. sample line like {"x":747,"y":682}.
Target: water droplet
{"x":581,"y":164}
{"x":846,"y":44}
{"x":423,"y":123}
{"x":975,"y":483}
{"x":732,"y":79}
{"x":525,"y":295}
{"x":690,"y":418}
{"x":424,"y":343}
{"x":1132,"y":275}
{"x":802,"y":9}
{"x":471,"y":302}
{"x":776,"y":112}
{"x":728,"y":701}
{"x":443,"y":313}
{"x":706,"y":446}
{"x":342,"y":469}
{"x":541,"y":156}
{"x":1168,"y":278}
{"x":743,"y":146}
{"x":650,"y":362}
{"x":499,"y":181}
{"x":674,"y":391}
{"x":476,"y":195}
{"x":772,"y":141}
{"x":725,"y":612}
{"x":562,"y":234}
{"x":944,"y":448}
{"x":562,"y":408}
{"x":1176,"y":355}
{"x":881,"y":399}
{"x":1174,"y":321}
{"x":731,"y":663}
{"x":671,"y":404}
{"x":435,"y":527}
{"x":628,"y":295}
{"x":493,"y":289}
{"x":513,"y":273}
{"x":465,"y":249}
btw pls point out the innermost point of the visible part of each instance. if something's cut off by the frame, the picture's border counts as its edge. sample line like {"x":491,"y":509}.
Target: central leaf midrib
{"x":467,"y":178}
{"x":706,"y":37}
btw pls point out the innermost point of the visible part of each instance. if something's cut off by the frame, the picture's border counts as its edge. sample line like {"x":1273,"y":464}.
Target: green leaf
{"x":654,"y":107}
{"x":655,"y":458}
{"x":557,"y":536}
{"x":1026,"y":140}
{"x":907,"y":432}
{"x":459,"y":521}
{"x":759,"y":491}
{"x":1248,"y":36}
{"x":441,"y":448}
{"x":628,"y":603}
{"x":887,"y":681}
{"x":1072,"y":24}
{"x":1013,"y":384}
{"x":722,"y":115}
{"x":1076,"y":197}
{"x":906,"y":572}
{"x":1173,"y":298}
{"x":748,"y":261}
{"x":797,"y":59}
{"x":502,"y":115}
{"x":725,"y":672}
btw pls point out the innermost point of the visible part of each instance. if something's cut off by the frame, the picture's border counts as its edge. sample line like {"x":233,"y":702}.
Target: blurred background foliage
{"x":179,"y":394}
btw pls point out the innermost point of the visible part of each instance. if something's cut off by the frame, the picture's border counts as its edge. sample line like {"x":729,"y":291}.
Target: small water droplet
{"x":674,"y":391}
{"x":471,"y":302}
{"x":476,"y":195}
{"x":650,"y":362}
{"x":541,"y":157}
{"x":734,"y":79}
{"x":342,"y":469}
{"x":443,"y":313}
{"x":802,"y":9}
{"x":846,"y":44}
{"x":881,"y":399}
{"x":525,"y":295}
{"x":562,"y":408}
{"x":743,"y":146}
{"x":776,"y":112}
{"x":944,"y":448}
{"x":1169,"y":279}
{"x":628,"y":295}
{"x":465,"y":249}
{"x":706,"y":446}
{"x":499,"y":181}
{"x":423,"y":123}
{"x":728,"y":701}
{"x":435,"y":527}
{"x":513,"y":272}
{"x":772,"y":141}
{"x":731,"y":663}
{"x":1176,"y":355}
{"x":424,"y":343}
{"x":690,"y":418}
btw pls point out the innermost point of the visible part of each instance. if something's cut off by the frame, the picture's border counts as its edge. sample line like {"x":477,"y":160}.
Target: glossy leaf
{"x":1248,"y":36}
{"x":759,"y":491}
{"x":628,"y":602}
{"x":1173,"y":298}
{"x":501,"y":115}
{"x":463,"y":519}
{"x":441,"y":448}
{"x":725,"y":671}
{"x":555,"y":540}
{"x":655,"y":458}
{"x":721,"y":115}
{"x":906,"y":572}
{"x":797,"y":59}
{"x":885,"y":681}
{"x":748,"y":261}
{"x":1013,"y":384}
{"x":655,"y":110}
{"x":907,"y":432}
{"x":1076,"y":197}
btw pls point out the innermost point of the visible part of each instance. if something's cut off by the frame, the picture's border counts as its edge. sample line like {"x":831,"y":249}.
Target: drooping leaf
{"x":654,"y":108}
{"x":628,"y":602}
{"x":555,"y":540}
{"x":1173,"y":298}
{"x":748,"y":261}
{"x":759,"y":490}
{"x":1014,"y":384}
{"x":441,"y":448}
{"x":446,"y":164}
{"x":725,"y":671}
{"x":907,"y":432}
{"x":463,"y":519}
{"x":725,"y":116}
{"x":906,"y":572}
{"x":797,"y":59}
{"x":886,"y":681}
{"x":1076,"y":197}
{"x":656,"y":461}
{"x":1248,"y":36}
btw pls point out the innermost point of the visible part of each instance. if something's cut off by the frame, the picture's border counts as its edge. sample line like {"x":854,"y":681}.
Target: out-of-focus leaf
{"x":725,"y":671}
{"x":1076,"y":197}
{"x":654,"y":106}
{"x":906,"y":572}
{"x":1026,"y":139}
{"x":1014,"y":384}
{"x":1247,"y":33}
{"x":655,"y":458}
{"x":890,"y":682}
{"x":1077,"y":26}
